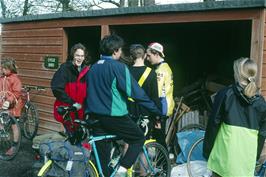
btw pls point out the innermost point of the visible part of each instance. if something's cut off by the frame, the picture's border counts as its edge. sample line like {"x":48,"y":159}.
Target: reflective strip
{"x":150,"y":141}
{"x":142,"y":80}
{"x":94,"y":168}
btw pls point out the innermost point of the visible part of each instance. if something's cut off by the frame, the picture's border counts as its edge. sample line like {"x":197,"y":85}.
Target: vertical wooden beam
{"x":0,"y":47}
{"x":105,"y":30}
{"x":64,"y":46}
{"x":257,"y":37}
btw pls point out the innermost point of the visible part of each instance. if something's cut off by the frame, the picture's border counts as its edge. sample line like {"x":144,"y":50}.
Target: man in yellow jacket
{"x":155,"y":56}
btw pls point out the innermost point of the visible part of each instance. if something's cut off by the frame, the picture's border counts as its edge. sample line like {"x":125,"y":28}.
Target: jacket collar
{"x":161,"y":61}
{"x":239,"y":91}
{"x":105,"y":57}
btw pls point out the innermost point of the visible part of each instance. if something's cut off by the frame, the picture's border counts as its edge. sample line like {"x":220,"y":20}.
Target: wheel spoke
{"x":31,"y":121}
{"x":158,"y":159}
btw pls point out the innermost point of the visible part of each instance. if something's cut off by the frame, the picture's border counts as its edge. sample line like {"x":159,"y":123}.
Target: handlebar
{"x":63,"y":110}
{"x":87,"y":123}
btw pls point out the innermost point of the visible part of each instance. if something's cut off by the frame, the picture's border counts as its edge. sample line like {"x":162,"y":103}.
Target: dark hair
{"x":137,"y":51}
{"x":111,"y":43}
{"x":9,"y":63}
{"x":75,"y":48}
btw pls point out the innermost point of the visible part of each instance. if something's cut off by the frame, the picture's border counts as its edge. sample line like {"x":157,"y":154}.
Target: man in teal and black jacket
{"x":109,"y":86}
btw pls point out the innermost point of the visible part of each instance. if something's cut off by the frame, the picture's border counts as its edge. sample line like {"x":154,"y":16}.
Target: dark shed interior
{"x":88,"y":36}
{"x":193,"y":50}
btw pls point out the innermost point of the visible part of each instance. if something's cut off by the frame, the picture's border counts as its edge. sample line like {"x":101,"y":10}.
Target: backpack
{"x":69,"y":160}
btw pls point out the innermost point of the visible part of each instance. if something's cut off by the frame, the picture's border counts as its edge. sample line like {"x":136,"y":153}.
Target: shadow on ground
{"x":21,"y":164}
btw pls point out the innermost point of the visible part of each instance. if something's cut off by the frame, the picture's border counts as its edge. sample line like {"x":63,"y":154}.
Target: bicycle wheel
{"x":91,"y":170}
{"x":260,"y":170}
{"x":45,"y":168}
{"x":195,"y":147}
{"x":30,"y":118}
{"x":157,"y":165}
{"x":7,"y":136}
{"x":189,"y":127}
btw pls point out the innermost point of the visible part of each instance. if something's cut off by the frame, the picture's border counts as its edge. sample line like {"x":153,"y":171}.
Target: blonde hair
{"x":245,"y":72}
{"x":9,"y":63}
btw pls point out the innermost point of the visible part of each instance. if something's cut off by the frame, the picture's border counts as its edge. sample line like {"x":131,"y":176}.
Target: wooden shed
{"x":199,"y":38}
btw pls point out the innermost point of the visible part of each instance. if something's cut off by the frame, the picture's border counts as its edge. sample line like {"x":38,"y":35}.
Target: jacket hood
{"x":239,"y":91}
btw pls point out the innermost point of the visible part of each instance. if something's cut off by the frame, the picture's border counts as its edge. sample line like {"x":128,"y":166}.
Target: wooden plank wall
{"x":263,"y":85}
{"x":0,"y":43}
{"x":28,"y":45}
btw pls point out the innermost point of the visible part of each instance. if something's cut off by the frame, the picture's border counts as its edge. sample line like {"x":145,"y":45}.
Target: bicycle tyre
{"x":91,"y":170}
{"x":162,"y":166}
{"x":6,"y":138}
{"x":30,"y":120}
{"x":45,"y":168}
{"x":186,"y":128}
{"x":190,"y":154}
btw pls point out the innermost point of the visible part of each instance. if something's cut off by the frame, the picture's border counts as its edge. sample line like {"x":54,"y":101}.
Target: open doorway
{"x":195,"y":50}
{"x":88,"y":36}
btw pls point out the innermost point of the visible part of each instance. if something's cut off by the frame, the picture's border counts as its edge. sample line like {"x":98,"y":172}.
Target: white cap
{"x":156,"y":46}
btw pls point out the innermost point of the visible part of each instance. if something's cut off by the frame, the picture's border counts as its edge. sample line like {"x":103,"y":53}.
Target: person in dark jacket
{"x":236,"y":129}
{"x":110,"y":85}
{"x":147,"y":79}
{"x":69,"y":85}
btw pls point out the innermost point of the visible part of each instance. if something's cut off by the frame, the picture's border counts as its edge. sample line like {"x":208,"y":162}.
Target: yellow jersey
{"x":165,"y":88}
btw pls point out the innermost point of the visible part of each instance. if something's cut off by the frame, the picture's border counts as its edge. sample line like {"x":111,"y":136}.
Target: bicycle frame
{"x":92,"y":141}
{"x":27,"y":89}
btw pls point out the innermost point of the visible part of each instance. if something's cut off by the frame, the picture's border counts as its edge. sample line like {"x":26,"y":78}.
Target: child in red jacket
{"x":10,"y":95}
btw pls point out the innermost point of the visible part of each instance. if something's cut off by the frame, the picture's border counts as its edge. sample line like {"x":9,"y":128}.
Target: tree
{"x":149,"y":2}
{"x":13,"y":8}
{"x":66,"y":6}
{"x":133,"y":3}
{"x":26,"y":7}
{"x":3,"y":8}
{"x":121,"y":3}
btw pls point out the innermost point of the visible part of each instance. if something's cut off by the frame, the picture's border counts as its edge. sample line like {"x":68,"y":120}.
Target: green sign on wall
{"x":51,"y":62}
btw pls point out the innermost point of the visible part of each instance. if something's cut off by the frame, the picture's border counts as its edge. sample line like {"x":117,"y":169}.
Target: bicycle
{"x":29,"y":119}
{"x":7,"y":135}
{"x":196,"y":145}
{"x":260,"y":168}
{"x":179,"y":111}
{"x":154,"y":161}
{"x":199,"y":94}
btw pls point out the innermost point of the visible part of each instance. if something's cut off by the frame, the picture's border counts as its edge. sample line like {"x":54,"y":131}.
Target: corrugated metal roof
{"x":206,"y":6}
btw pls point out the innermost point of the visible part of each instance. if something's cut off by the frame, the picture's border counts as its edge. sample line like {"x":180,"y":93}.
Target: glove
{"x":77,"y":106}
{"x":6,"y":105}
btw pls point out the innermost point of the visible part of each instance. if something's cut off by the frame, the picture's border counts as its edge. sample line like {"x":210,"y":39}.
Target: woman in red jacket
{"x":68,"y":84}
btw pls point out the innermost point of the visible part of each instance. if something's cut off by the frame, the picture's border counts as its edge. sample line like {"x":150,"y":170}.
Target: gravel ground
{"x":21,"y":164}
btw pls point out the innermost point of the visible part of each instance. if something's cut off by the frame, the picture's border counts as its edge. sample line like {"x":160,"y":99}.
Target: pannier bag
{"x":68,"y":160}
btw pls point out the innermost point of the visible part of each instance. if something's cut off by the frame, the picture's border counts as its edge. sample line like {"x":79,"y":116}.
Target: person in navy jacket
{"x":109,"y":86}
